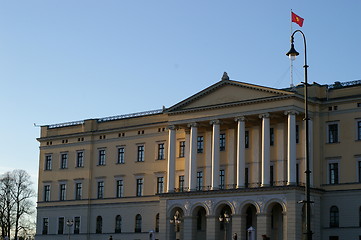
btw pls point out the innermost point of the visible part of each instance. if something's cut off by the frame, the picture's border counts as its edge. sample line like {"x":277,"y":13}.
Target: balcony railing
{"x":252,"y":185}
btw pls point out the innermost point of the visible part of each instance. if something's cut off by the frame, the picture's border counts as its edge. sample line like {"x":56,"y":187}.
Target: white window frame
{"x":66,"y":160}
{"x":358,"y":161}
{"x":61,"y":197}
{"x":330,"y":161}
{"x":328,"y":131}
{"x":51,"y":162}
{"x":121,"y":160}
{"x":77,"y":158}
{"x":358,"y":134}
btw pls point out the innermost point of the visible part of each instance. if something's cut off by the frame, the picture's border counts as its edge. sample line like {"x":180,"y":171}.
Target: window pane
{"x":121,"y":153}
{"x":200,"y":144}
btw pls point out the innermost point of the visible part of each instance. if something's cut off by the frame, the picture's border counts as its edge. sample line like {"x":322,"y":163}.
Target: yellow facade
{"x":81,"y":166}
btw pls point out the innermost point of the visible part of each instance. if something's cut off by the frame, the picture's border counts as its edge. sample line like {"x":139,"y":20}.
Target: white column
{"x":241,"y":157}
{"x":254,"y":167}
{"x":231,"y":158}
{"x":171,"y":159}
{"x":265,"y":149}
{"x":281,"y":178}
{"x":207,"y":177}
{"x":215,"y":154}
{"x":186,"y":159}
{"x":193,"y":157}
{"x":291,"y":148}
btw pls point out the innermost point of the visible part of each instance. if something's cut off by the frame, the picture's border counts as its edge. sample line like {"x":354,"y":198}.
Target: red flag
{"x":297,"y":19}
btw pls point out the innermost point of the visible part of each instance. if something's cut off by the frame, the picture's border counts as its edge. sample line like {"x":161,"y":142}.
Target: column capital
{"x":172,"y":127}
{"x":240,"y":119}
{"x":264,"y":115}
{"x":291,"y":112}
{"x":193,"y":124}
{"x":215,"y":122}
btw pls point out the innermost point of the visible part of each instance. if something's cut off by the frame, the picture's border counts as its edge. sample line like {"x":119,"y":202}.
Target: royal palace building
{"x":228,"y":160}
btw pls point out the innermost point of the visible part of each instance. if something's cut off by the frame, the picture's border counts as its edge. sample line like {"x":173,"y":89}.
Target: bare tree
{"x":15,"y":201}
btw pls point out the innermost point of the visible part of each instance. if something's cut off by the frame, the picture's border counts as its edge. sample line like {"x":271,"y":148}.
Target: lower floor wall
{"x":208,"y":215}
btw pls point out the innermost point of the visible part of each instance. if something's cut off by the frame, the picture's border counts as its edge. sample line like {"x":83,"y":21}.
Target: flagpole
{"x":291,"y":60}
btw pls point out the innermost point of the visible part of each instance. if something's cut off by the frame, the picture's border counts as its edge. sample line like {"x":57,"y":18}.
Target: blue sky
{"x":69,"y":60}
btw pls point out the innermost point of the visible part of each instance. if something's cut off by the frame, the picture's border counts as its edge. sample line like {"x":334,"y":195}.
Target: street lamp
{"x":69,"y":223}
{"x":292,"y":53}
{"x":225,"y":218}
{"x":177,"y":220}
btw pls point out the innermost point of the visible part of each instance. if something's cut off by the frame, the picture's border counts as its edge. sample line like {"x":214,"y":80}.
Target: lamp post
{"x":69,"y":223}
{"x":292,"y":53}
{"x":225,"y":218}
{"x":177,"y":220}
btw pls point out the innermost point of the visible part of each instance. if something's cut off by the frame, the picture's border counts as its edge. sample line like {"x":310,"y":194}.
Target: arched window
{"x":99,"y":226}
{"x":334,"y":217}
{"x":118,"y":224}
{"x":138,"y":223}
{"x":157,"y":223}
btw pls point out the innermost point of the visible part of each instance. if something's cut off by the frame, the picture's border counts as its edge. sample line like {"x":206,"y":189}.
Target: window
{"x":199,"y":181}
{"x":46,"y":193}
{"x":61,"y":225}
{"x":64,"y":160}
{"x":101,"y":157}
{"x":221,"y":179}
{"x":359,"y":171}
{"x":121,"y":152}
{"x":297,"y":134}
{"x":62,"y":192}
{"x":181,"y":183}
{"x":100,"y":193}
{"x":99,"y":225}
{"x":182,"y":147}
{"x":45,"y":226}
{"x":139,"y":187}
{"x":200,"y":144}
{"x":358,"y":130}
{"x":272,"y":136}
{"x":332,"y":132}
{"x":246,"y":181}
{"x":119,"y":188}
{"x":246,"y":136}
{"x":297,"y":174}
{"x":160,"y":184}
{"x":333,"y":173}
{"x":271,"y":175}
{"x":222,"y":142}
{"x":138,"y":223}
{"x":78,"y":190}
{"x":334,"y":217}
{"x":157,"y":222}
{"x":80,"y":159}
{"x":140,"y":156}
{"x":48,"y":162}
{"x":160,"y":151}
{"x":76,"y":225}
{"x":118,"y":224}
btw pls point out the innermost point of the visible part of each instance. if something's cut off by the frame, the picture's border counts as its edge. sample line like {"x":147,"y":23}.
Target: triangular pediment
{"x":228,"y":92}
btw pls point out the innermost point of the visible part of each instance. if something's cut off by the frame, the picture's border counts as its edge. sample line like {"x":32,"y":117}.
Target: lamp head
{"x":292,"y":53}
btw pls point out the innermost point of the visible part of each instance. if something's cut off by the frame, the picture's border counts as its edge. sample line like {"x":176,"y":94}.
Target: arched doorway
{"x":276,"y":221}
{"x":249,"y":219}
{"x":224,"y":222}
{"x":176,"y":220}
{"x":200,"y":223}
